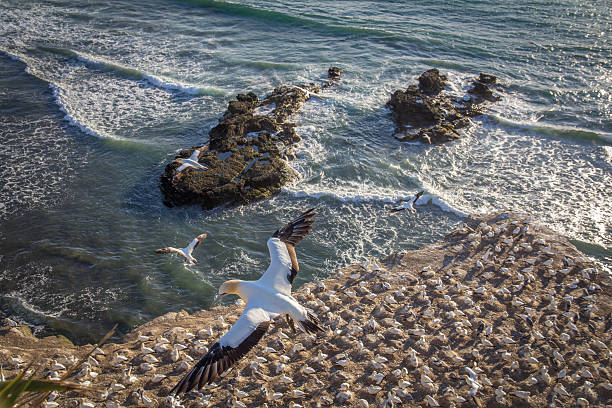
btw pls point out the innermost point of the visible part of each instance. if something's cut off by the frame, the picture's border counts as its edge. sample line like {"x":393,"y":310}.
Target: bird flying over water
{"x":266,"y":298}
{"x":408,"y":205}
{"x":184,"y":252}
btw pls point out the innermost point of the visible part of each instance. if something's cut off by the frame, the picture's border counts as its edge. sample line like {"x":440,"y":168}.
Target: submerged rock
{"x":426,"y":114}
{"x":246,"y":158}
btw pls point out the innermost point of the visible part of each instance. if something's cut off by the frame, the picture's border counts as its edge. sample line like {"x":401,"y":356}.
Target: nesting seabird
{"x":266,"y":298}
{"x":184,"y":252}
{"x":408,"y":205}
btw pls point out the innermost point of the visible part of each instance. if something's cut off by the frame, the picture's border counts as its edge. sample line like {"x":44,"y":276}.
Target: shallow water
{"x":95,"y":99}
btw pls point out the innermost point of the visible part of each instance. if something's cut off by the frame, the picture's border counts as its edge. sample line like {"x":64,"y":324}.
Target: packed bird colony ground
{"x":503,"y":312}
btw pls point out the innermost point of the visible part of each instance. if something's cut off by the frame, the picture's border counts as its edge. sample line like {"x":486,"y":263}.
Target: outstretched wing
{"x":195,"y":155}
{"x":401,"y":207}
{"x":283,"y":260}
{"x":167,"y":250}
{"x":238,"y":341}
{"x":296,"y":229}
{"x":194,"y":243}
{"x":417,"y":196}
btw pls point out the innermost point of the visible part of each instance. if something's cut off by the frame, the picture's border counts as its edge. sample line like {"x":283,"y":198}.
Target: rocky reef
{"x":503,"y":312}
{"x":426,"y":114}
{"x":247,"y":156}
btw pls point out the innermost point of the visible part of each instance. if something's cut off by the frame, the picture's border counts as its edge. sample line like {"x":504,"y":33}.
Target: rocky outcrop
{"x":502,"y":313}
{"x":334,"y":73}
{"x":426,"y":114}
{"x":247,"y":154}
{"x":431,"y":82}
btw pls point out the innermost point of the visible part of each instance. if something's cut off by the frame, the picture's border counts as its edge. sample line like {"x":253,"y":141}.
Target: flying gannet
{"x":266,"y":298}
{"x":184,"y":252}
{"x":191,"y":162}
{"x":307,"y":92}
{"x":408,"y":205}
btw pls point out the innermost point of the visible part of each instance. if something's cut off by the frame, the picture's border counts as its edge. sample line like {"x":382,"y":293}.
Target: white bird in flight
{"x":408,"y":205}
{"x":266,"y":299}
{"x":192,"y":162}
{"x":184,"y":252}
{"x":307,"y":92}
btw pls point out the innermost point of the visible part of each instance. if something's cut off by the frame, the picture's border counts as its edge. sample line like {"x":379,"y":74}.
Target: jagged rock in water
{"x":428,"y":115}
{"x":334,"y":73}
{"x":431,"y":82}
{"x":487,"y":79}
{"x":247,"y":152}
{"x":410,"y":107}
{"x":481,"y":90}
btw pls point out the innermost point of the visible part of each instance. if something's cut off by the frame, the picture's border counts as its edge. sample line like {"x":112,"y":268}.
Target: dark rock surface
{"x":431,"y":82}
{"x":334,"y":73}
{"x":247,"y":152}
{"x":427,"y":114}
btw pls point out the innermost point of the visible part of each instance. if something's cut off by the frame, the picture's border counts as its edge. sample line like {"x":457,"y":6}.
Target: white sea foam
{"x":21,"y":301}
{"x":21,"y":58}
{"x":13,"y":56}
{"x":57,"y":96}
{"x":159,"y":81}
{"x":607,"y":153}
{"x":555,"y":130}
{"x":368,"y":194}
{"x":168,"y":84}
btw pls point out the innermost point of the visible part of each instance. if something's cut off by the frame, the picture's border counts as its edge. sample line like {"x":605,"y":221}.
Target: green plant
{"x":14,"y":393}
{"x":27,"y":391}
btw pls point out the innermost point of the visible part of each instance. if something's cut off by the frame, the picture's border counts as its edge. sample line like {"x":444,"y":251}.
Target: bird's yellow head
{"x":230,"y":287}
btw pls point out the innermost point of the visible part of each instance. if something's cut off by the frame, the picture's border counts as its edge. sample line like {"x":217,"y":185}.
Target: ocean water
{"x":97,"y":97}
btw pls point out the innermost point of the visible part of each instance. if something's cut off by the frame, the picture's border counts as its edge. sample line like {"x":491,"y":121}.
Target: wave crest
{"x":556,"y":131}
{"x":387,"y":196}
{"x":167,"y":84}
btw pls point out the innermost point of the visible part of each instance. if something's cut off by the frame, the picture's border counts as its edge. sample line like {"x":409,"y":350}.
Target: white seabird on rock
{"x":266,"y":299}
{"x":184,"y":252}
{"x":191,"y":162}
{"x":408,"y":205}
{"x":307,"y":92}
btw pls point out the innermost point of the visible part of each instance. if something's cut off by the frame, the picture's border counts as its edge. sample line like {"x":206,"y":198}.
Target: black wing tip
{"x":296,"y":229}
{"x":216,"y":361}
{"x":311,"y":210}
{"x":195,"y":376}
{"x":291,"y":276}
{"x":420,"y":193}
{"x":311,"y":324}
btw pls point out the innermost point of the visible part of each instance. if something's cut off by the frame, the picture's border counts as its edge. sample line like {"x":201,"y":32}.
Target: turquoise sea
{"x":96,"y":97}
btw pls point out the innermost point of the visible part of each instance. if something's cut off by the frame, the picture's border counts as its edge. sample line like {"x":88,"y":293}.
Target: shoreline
{"x":415,"y":333}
